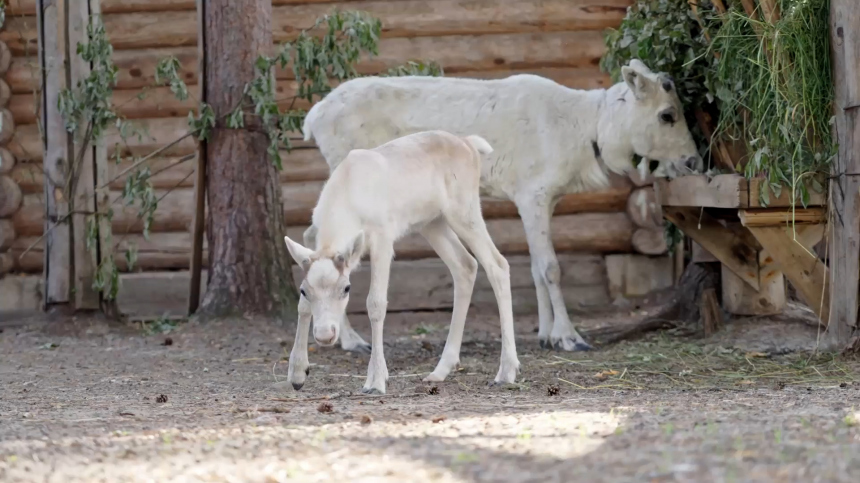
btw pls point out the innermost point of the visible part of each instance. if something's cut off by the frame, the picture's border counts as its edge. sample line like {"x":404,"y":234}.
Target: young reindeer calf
{"x":426,"y":182}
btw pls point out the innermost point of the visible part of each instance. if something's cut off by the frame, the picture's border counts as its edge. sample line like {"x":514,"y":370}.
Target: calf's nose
{"x":694,"y":163}
{"x":325,"y":335}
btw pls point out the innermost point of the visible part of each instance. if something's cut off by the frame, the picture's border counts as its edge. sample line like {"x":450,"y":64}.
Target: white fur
{"x":426,"y":182}
{"x":542,"y":136}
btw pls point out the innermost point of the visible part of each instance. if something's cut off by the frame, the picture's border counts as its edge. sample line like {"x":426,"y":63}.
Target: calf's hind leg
{"x":464,"y":270}
{"x":470,"y":227}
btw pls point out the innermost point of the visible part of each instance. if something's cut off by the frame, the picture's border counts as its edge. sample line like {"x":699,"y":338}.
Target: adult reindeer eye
{"x":302,"y":291}
{"x":667,"y":118}
{"x":346,"y":290}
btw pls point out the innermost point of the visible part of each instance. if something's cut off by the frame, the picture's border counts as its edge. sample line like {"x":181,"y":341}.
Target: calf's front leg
{"x":377,"y":304}
{"x":299,"y":365}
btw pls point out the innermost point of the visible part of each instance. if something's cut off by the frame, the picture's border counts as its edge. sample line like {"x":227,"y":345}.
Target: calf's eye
{"x":302,"y":291}
{"x":346,"y":290}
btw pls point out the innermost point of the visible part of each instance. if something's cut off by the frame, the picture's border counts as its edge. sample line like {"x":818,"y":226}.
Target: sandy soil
{"x":91,"y":402}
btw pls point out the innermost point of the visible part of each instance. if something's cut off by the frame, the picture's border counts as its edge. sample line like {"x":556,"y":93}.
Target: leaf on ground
{"x":604,"y":374}
{"x":752,"y":355}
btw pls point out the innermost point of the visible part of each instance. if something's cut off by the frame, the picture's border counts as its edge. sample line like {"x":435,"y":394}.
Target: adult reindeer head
{"x":655,"y":121}
{"x":326,"y":284}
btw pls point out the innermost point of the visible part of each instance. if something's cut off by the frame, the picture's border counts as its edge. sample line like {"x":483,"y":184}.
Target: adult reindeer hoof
{"x":569,"y":344}
{"x":372,"y":390}
{"x":545,"y":344}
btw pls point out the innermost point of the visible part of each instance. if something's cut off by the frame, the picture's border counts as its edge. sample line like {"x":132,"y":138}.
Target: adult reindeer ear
{"x":635,"y":74}
{"x":300,"y":254}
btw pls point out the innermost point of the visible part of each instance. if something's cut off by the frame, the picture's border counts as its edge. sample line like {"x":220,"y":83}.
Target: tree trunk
{"x":249,"y":268}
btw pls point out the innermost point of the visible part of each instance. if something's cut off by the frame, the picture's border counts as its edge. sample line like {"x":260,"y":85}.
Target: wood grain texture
{"x":722,"y":191}
{"x":732,"y":250}
{"x":845,"y":190}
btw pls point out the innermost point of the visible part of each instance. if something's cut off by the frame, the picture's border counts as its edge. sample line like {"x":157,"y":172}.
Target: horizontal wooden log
{"x":7,"y":161}
{"x":28,"y":7}
{"x":299,"y":165}
{"x":7,"y":234}
{"x":608,"y":232}
{"x":782,"y":217}
{"x":455,"y":53}
{"x":415,"y":285}
{"x":405,"y":18}
{"x":146,"y":136}
{"x":159,"y":102}
{"x":174,"y":212}
{"x":10,"y":196}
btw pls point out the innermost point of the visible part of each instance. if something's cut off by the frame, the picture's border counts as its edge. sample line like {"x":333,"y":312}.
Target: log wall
{"x":558,"y":39}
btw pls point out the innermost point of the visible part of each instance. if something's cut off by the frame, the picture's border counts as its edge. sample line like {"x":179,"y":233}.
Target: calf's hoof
{"x":372,"y":390}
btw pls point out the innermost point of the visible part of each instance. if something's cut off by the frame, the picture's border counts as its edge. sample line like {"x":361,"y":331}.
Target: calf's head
{"x":655,"y":121}
{"x":326,"y":284}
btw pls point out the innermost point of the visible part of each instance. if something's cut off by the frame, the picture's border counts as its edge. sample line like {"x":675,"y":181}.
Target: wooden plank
{"x":731,"y":249}
{"x":741,"y":299}
{"x":803,"y":269}
{"x":199,"y":207}
{"x":776,"y":217}
{"x":85,"y":261}
{"x":52,"y":50}
{"x":405,"y":18}
{"x":785,"y":198}
{"x":845,"y":189}
{"x":722,"y":191}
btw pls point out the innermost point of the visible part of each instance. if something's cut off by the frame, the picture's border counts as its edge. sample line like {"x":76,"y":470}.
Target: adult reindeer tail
{"x":480,"y":144}
{"x":310,"y":117}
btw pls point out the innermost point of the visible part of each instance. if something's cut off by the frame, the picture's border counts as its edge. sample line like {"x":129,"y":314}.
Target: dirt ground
{"x":92,"y":402}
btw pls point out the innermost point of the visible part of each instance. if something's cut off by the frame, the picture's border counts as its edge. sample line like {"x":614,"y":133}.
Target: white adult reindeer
{"x":548,"y":141}
{"x":426,"y":182}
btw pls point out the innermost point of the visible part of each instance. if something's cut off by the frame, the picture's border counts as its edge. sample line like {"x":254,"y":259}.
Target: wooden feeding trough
{"x":757,"y":246}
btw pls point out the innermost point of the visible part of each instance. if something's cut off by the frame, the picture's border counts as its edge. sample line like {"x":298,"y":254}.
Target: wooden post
{"x":196,"y":265}
{"x":85,"y":261}
{"x":845,"y":187}
{"x":52,"y":50}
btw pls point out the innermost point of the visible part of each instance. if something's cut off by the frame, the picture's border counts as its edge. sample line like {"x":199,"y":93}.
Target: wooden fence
{"x":558,"y":39}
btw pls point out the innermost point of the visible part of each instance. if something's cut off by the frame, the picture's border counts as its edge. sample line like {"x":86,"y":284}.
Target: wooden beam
{"x":802,"y":268}
{"x":845,"y":187}
{"x":55,"y":144}
{"x":199,"y":217}
{"x":771,"y":217}
{"x":85,"y":261}
{"x":721,"y":191}
{"x":730,"y":248}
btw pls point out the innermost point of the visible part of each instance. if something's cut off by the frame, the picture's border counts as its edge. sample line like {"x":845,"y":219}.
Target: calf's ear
{"x":300,"y":254}
{"x":635,"y":74}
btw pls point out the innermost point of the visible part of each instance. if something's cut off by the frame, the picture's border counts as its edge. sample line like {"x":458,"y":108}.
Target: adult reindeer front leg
{"x":382,"y":252}
{"x":546,"y":272}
